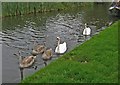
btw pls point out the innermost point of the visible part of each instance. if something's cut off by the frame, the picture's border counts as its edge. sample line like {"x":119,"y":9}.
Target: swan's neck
{"x":85,"y":31}
{"x":59,"y":42}
{"x":19,"y":55}
{"x":20,"y":58}
{"x":58,"y":45}
{"x":85,"y":26}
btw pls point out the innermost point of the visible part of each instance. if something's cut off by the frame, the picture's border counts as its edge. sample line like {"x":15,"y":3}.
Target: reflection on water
{"x":19,"y":33}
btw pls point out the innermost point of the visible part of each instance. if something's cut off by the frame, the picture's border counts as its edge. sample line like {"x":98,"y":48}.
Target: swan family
{"x":47,"y":54}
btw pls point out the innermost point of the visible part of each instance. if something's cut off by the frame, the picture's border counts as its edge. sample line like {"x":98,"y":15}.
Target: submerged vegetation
{"x":21,"y":8}
{"x":95,"y":61}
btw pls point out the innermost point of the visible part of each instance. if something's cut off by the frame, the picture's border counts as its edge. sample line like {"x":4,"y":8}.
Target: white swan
{"x":61,"y":48}
{"x":87,"y":30}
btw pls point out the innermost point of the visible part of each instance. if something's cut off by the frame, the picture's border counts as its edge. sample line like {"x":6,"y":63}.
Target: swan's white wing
{"x":88,"y":31}
{"x":84,"y":32}
{"x":56,"y":50}
{"x":62,"y":48}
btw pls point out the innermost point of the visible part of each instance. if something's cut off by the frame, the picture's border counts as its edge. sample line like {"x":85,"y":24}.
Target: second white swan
{"x":87,"y":30}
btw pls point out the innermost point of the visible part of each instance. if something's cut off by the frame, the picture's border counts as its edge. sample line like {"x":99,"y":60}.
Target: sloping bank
{"x":95,"y":61}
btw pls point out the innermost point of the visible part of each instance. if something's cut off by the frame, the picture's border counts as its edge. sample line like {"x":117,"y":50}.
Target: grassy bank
{"x":95,"y":61}
{"x":21,"y":8}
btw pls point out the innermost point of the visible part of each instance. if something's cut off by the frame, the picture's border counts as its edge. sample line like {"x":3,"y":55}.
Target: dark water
{"x":20,"y":32}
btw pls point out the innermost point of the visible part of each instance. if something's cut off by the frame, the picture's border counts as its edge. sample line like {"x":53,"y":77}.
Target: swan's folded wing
{"x":56,"y":50}
{"x":88,"y":31}
{"x":84,"y":32}
{"x":63,"y":47}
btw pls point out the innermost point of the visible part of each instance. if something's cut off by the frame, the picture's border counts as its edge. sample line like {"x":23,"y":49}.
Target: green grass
{"x":101,"y":54}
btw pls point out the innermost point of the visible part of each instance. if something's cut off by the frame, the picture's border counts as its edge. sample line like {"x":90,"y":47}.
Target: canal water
{"x":20,"y":32}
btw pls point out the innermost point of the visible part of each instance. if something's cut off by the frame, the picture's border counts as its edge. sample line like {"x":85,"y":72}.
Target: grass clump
{"x":95,"y":61}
